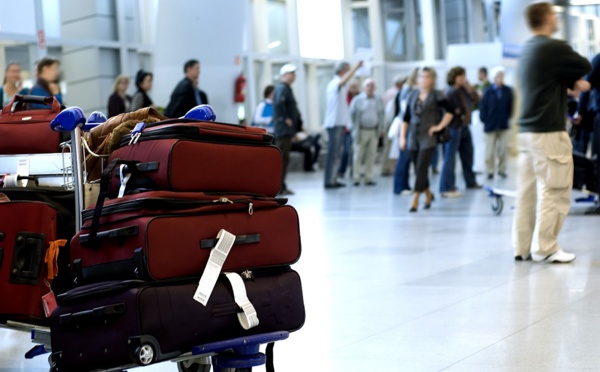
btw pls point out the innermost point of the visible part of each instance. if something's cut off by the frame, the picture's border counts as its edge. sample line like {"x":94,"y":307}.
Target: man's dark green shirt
{"x":547,"y":67}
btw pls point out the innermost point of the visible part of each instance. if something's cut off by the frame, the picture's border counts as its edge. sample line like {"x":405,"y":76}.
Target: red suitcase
{"x":26,"y":231}
{"x":28,"y":131}
{"x":105,"y":325}
{"x":161,"y":235}
{"x":203,"y":156}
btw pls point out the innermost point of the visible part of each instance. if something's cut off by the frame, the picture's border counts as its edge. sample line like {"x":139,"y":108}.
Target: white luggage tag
{"x":213,"y":268}
{"x":136,"y":133}
{"x":124,"y":176}
{"x":248,"y":317}
{"x":20,"y":178}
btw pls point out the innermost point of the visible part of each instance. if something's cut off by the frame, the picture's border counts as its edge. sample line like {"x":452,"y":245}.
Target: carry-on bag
{"x":162,"y":235}
{"x":24,"y":131}
{"x":185,"y":155}
{"x":29,"y":257}
{"x":121,"y":324}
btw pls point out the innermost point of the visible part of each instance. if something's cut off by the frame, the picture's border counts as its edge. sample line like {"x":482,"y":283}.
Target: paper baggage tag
{"x":49,"y":302}
{"x":124,"y":175}
{"x":248,"y":317}
{"x":23,"y":170}
{"x":217,"y":258}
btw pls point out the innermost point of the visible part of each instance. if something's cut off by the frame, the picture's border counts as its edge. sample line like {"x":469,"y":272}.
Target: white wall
{"x":210,"y":31}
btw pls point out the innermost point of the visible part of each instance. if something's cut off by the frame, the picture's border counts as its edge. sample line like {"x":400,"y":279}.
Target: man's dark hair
{"x":268,"y":90}
{"x":189,"y":64}
{"x":454,"y":73}
{"x":536,"y":14}
{"x":483,"y":70}
{"x":46,"y":62}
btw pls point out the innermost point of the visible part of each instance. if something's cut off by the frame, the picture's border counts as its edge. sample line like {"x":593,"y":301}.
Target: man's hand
{"x":582,"y":86}
{"x":289,"y":122}
{"x":577,"y":120}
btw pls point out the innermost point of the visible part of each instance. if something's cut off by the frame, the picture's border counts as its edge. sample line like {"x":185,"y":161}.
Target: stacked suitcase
{"x":187,"y":244}
{"x":36,"y":212}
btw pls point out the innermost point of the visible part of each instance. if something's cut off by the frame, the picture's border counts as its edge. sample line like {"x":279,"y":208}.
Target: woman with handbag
{"x":428,"y":113}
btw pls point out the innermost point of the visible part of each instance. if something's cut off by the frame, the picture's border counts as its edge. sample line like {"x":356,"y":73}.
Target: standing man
{"x":186,"y":94}
{"x":368,"y":117}
{"x":337,"y":119}
{"x":285,"y":115}
{"x":462,"y":97}
{"x":547,"y":68}
{"x":495,"y":110}
{"x":483,"y":83}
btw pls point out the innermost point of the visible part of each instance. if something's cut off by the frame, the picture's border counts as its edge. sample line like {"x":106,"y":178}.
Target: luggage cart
{"x":234,"y":355}
{"x":497,"y":199}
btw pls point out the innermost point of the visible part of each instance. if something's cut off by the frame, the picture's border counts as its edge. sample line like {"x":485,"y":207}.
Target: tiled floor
{"x":386,"y":290}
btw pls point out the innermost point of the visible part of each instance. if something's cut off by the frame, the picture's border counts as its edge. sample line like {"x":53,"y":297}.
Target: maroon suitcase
{"x":26,"y":230}
{"x":28,"y":131}
{"x":203,"y":156}
{"x":105,"y":325}
{"x":162,"y":235}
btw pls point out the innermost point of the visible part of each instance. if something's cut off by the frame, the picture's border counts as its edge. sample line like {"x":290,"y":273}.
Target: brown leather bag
{"x":104,"y":138}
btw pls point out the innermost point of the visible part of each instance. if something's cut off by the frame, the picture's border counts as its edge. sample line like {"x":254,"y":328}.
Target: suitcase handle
{"x":104,"y":190}
{"x":94,"y":314}
{"x":20,"y":100}
{"x":239,"y":240}
{"x":122,"y":232}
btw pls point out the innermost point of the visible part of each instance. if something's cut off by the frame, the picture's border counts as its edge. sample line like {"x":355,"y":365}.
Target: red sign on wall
{"x":41,"y":39}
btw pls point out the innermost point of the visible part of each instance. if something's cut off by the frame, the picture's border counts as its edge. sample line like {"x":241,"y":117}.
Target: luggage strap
{"x":213,"y":268}
{"x":248,"y":317}
{"x":269,"y":351}
{"x":51,"y":258}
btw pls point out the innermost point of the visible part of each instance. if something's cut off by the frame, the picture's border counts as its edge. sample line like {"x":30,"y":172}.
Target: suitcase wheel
{"x":497,"y":205}
{"x":144,"y":355}
{"x":191,"y":366}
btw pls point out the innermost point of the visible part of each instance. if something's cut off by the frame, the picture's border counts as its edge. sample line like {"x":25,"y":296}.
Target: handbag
{"x":443,"y":135}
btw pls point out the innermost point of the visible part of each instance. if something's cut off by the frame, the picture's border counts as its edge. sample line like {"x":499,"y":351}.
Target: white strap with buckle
{"x":213,"y":268}
{"x":248,"y":317}
{"x":124,"y":176}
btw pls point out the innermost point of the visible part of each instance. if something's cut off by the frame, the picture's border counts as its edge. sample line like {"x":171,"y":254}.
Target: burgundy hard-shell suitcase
{"x":162,"y":235}
{"x":185,"y":155}
{"x":106,"y":325}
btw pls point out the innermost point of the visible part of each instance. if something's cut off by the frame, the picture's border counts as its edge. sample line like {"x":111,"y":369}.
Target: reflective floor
{"x":386,"y":290}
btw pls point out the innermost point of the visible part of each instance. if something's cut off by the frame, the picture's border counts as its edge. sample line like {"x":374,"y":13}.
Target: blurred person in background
{"x":119,"y":101}
{"x":368,"y":116}
{"x":308,"y":144}
{"x":495,"y":111}
{"x":587,"y":109}
{"x":462,"y":97}
{"x":263,"y":114}
{"x":337,"y":120}
{"x":186,"y":94}
{"x":286,"y":117}
{"x":12,"y":83}
{"x":478,"y":131}
{"x":143,"y":82}
{"x":390,"y":102}
{"x":348,"y":147}
{"x":428,"y":111}
{"x":402,"y":172}
{"x":547,"y":68}
{"x":48,"y":72}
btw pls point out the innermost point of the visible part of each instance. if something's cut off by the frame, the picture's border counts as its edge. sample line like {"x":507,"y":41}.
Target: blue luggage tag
{"x":136,"y":133}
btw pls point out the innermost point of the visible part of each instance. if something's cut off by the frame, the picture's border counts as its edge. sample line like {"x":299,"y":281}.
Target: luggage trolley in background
{"x":240,"y":354}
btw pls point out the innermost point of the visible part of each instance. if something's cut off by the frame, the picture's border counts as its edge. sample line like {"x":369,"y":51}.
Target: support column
{"x":429,"y":27}
{"x":89,"y":71}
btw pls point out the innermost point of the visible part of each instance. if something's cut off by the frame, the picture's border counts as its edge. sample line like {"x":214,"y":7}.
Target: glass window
{"x":360,"y":25}
{"x":320,"y":29}
{"x":395,"y":35}
{"x":277,"y":21}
